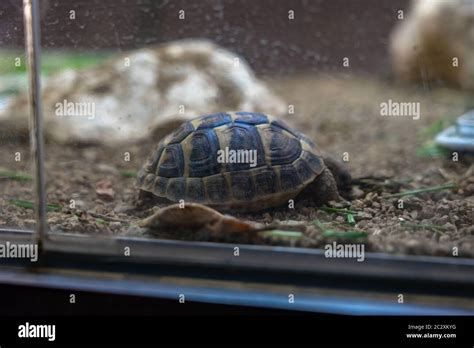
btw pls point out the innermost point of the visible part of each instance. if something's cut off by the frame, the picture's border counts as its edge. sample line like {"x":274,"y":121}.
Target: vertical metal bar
{"x":33,"y":46}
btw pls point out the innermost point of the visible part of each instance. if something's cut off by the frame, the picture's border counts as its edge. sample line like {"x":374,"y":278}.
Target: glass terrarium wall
{"x":118,"y":77}
{"x":16,"y":175}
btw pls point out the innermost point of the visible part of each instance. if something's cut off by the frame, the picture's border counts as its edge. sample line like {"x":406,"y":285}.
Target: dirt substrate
{"x":342,"y":114}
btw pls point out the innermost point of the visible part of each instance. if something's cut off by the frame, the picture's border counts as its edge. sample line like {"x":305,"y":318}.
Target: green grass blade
{"x":422,"y":190}
{"x":14,"y":175}
{"x":350,"y":219}
{"x":281,"y":233}
{"x":30,"y":205}
{"x":128,"y":173}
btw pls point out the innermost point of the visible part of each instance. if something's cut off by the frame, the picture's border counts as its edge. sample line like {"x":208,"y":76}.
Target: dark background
{"x":322,"y":33}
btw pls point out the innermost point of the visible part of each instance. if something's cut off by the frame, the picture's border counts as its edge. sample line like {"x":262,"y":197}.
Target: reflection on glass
{"x":16,"y":180}
{"x":308,"y":123}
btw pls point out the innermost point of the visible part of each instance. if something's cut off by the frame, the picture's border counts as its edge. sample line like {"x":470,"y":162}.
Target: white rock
{"x":427,"y":40}
{"x":160,"y":88}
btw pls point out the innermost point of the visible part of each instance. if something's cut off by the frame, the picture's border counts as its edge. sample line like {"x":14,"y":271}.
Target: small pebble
{"x":115,"y":224}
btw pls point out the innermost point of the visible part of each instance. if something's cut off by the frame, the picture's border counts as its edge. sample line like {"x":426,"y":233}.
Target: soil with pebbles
{"x":342,"y":114}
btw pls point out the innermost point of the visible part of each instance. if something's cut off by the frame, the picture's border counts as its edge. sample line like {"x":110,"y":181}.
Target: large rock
{"x":150,"y":90}
{"x":434,"y":33}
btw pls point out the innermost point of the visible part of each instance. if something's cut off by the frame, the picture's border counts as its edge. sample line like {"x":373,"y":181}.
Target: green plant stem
{"x":350,"y":219}
{"x":128,"y":173}
{"x":14,"y":175}
{"x":281,"y":233}
{"x":422,"y":190}
{"x":30,"y":205}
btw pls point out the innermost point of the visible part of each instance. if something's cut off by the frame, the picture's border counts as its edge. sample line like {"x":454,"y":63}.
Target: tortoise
{"x":191,"y":164}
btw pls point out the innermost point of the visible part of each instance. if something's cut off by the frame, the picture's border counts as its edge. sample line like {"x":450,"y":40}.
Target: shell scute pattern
{"x":203,"y":148}
{"x":252,"y":118}
{"x":176,"y":189}
{"x":171,"y":161}
{"x":282,"y":149}
{"x":160,"y":185}
{"x":185,"y":164}
{"x":303,"y":169}
{"x":240,"y":136}
{"x":243,"y":187}
{"x":289,"y":178}
{"x":284,"y":126}
{"x":181,"y":133}
{"x":214,"y":120}
{"x":266,"y":181}
{"x":195,"y":190}
{"x":315,"y":163}
{"x":217,"y":189}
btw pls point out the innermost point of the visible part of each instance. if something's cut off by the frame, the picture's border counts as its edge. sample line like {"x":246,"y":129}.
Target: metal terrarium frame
{"x":324,"y":285}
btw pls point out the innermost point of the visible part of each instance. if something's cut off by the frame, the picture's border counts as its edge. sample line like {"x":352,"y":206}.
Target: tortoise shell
{"x":195,"y":163}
